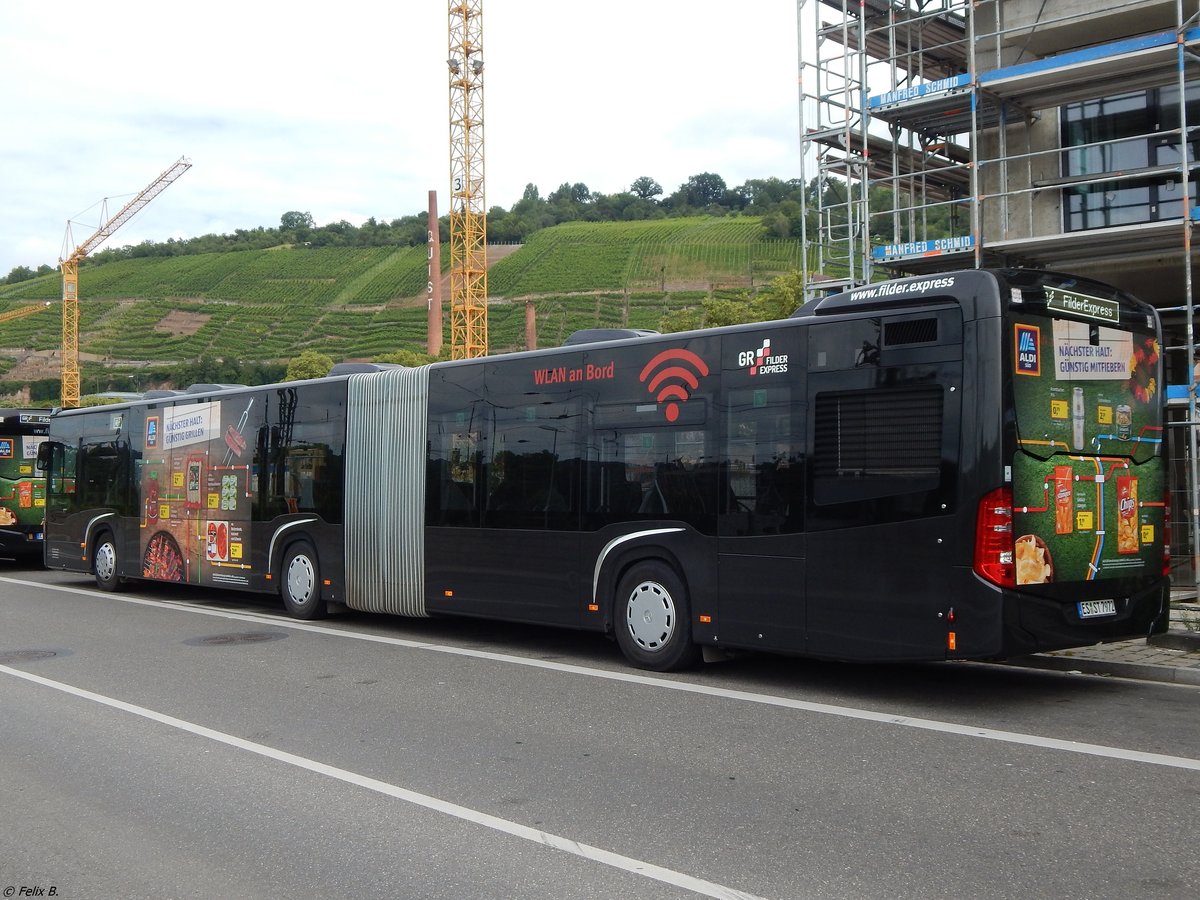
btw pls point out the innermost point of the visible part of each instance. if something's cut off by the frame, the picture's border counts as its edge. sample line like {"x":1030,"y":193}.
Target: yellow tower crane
{"x":22,"y":312}
{"x":468,"y":213}
{"x":70,"y":275}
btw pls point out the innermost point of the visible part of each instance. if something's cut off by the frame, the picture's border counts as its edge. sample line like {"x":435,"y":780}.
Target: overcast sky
{"x":341,"y":109}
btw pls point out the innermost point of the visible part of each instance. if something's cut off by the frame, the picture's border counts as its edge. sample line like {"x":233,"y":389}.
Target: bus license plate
{"x":1089,"y":609}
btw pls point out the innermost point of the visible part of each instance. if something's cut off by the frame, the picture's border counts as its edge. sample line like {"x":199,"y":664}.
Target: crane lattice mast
{"x":468,"y":219}
{"x":70,"y":275}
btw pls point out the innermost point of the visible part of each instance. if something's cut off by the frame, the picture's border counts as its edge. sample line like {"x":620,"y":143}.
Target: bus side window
{"x":270,"y":462}
{"x":103,"y":477}
{"x":765,"y":460}
{"x":305,"y":468}
{"x":533,"y":472}
{"x":609,"y":491}
{"x":620,"y":477}
{"x":650,"y":471}
{"x":45,"y":450}
{"x":60,"y":468}
{"x":452,"y":472}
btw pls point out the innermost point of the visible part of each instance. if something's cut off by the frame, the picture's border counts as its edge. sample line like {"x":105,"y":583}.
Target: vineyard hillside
{"x":361,"y":303}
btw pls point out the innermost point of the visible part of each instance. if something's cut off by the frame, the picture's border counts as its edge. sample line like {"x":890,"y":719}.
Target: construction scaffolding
{"x":943,"y":134}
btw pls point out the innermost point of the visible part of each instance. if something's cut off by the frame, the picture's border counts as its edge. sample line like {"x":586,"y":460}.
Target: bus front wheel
{"x":300,"y":583}
{"x":652,"y":621}
{"x":105,"y":563}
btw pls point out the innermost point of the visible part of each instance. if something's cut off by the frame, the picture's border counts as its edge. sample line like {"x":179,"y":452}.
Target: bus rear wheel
{"x":105,"y":563}
{"x":652,"y":621}
{"x":300,"y":583}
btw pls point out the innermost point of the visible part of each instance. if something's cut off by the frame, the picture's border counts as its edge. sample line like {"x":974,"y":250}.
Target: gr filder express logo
{"x":1028,"y":341}
{"x":762,"y":361}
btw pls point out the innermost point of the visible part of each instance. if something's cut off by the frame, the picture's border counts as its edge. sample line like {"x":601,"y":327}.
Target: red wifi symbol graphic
{"x":667,"y":383}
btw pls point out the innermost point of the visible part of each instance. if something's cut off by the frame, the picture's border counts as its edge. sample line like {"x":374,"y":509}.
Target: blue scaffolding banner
{"x":919,"y":91}
{"x":923,"y":248}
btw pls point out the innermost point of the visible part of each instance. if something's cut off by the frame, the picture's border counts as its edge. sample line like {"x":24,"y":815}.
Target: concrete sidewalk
{"x":1172,"y":657}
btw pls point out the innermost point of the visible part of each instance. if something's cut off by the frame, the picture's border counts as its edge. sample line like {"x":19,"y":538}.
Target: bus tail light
{"x":994,"y":539}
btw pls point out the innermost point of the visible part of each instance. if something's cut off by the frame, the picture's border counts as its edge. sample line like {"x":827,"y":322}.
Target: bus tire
{"x":105,"y":562}
{"x":300,"y":582}
{"x":651,"y":619}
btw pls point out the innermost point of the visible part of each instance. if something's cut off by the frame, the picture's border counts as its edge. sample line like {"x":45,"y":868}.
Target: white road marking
{"x":848,"y":712}
{"x":474,"y":816}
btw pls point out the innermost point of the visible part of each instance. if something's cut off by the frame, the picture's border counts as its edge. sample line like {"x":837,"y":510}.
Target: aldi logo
{"x":1028,"y":342}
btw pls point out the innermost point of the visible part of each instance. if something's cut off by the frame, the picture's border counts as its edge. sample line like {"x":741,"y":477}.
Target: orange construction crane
{"x":70,"y":274}
{"x":468,"y":212}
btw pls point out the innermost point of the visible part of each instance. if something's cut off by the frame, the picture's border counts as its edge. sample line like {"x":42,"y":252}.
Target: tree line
{"x":779,"y":203}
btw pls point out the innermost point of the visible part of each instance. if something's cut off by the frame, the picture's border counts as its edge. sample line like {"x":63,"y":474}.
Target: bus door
{"x":56,"y":460}
{"x":503,"y":501}
{"x":90,"y":481}
{"x":761,"y":542}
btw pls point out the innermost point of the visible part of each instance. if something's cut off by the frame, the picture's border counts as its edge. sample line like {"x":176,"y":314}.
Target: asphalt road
{"x":183,"y":743}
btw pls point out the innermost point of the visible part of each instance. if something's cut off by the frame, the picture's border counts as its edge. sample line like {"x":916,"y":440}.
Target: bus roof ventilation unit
{"x":211,"y":387}
{"x":355,"y":368}
{"x":599,"y":335}
{"x":161,"y":393}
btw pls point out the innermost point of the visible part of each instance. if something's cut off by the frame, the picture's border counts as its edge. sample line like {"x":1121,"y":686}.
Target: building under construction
{"x":948,"y":134}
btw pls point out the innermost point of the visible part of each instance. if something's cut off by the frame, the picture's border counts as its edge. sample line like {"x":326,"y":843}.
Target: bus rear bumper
{"x":20,"y":543}
{"x":1036,"y":624}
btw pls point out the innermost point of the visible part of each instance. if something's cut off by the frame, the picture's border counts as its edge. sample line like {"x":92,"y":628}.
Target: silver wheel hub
{"x":650,"y":615}
{"x":301,"y":579}
{"x":106,"y":561}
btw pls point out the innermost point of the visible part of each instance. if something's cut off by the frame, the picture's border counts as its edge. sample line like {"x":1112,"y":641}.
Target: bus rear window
{"x":1085,"y":388}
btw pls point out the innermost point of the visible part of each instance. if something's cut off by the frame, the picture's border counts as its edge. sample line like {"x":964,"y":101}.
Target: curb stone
{"x":1114,"y":668}
{"x":1175,"y":640}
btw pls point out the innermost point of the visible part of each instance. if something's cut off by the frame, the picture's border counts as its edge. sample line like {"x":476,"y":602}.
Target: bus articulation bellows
{"x":965,"y":465}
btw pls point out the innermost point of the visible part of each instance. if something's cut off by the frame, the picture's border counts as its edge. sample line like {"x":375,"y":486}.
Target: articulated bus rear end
{"x":22,"y":487}
{"x":1074,"y":537}
{"x":1044,"y":526}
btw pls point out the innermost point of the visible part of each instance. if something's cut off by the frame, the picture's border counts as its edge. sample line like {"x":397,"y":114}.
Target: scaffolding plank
{"x":1145,"y":240}
{"x":942,"y":107}
{"x":1118,"y":66}
{"x":929,"y":48}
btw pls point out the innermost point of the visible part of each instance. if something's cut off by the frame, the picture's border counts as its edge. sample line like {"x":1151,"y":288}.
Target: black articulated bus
{"x":22,"y":486}
{"x":965,"y":465}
